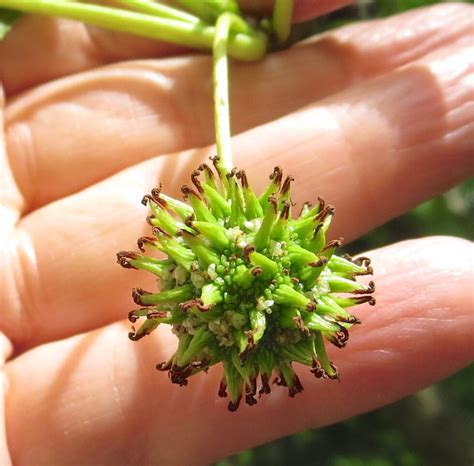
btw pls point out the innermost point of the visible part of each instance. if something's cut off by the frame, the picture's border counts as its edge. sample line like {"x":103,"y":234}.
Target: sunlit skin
{"x":375,"y":117}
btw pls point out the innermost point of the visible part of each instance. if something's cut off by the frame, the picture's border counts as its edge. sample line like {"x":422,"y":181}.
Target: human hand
{"x":370,"y":117}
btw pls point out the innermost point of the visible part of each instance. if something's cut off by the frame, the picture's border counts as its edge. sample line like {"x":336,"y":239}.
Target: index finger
{"x":39,"y":49}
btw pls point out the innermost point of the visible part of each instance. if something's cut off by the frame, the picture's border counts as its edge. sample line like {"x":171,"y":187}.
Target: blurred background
{"x":434,"y":427}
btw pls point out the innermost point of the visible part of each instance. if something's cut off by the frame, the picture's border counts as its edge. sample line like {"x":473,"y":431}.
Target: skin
{"x":376,"y":117}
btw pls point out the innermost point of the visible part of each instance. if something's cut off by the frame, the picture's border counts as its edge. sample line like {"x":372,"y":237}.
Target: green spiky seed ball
{"x":245,"y":284}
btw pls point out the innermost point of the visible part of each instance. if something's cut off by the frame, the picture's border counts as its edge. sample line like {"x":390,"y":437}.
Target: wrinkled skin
{"x":376,"y":117}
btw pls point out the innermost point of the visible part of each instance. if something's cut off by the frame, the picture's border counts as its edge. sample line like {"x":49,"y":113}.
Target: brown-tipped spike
{"x":137,"y":293}
{"x":317,"y":370}
{"x":335,"y":243}
{"x":195,"y":179}
{"x":277,"y":175}
{"x":197,"y":303}
{"x":141,"y":242}
{"x":340,"y":338}
{"x":306,"y":204}
{"x":319,"y":263}
{"x":348,"y":320}
{"x":222,"y":393}
{"x":286,"y":185}
{"x":164,"y":366}
{"x":256,"y":271}
{"x":273,"y":201}
{"x":124,"y":258}
{"x":296,"y":388}
{"x":242,"y":176}
{"x":247,"y":251}
{"x":265,"y":388}
{"x":155,"y":192}
{"x":188,"y":191}
{"x":204,"y":167}
{"x":157,"y":315}
{"x":285,"y":212}
{"x":370,"y":300}
{"x":147,"y":198}
{"x":132,"y":317}
{"x":370,"y":289}
{"x":324,"y":213}
{"x":158,"y":231}
{"x":301,"y":326}
{"x":234,"y":405}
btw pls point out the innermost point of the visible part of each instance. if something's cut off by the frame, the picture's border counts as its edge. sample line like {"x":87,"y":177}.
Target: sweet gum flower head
{"x":245,"y":284}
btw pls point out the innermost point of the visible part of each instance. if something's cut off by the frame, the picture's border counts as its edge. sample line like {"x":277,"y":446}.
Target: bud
{"x":245,"y":284}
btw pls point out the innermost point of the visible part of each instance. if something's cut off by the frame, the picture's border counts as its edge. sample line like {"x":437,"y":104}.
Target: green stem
{"x":224,"y":24}
{"x":281,"y":20}
{"x":210,"y":10}
{"x":241,"y":46}
{"x":159,"y":9}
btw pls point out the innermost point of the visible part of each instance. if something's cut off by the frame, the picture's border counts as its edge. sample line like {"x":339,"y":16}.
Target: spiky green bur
{"x":245,"y":284}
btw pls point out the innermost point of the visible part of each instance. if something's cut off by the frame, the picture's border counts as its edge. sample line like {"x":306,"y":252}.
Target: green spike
{"x":174,"y":295}
{"x":237,"y":208}
{"x":312,"y":212}
{"x":253,"y":209}
{"x":272,"y":188}
{"x":344,"y":285}
{"x":297,"y":354}
{"x":287,"y":316}
{"x":234,"y":383}
{"x":258,"y":322}
{"x":205,"y":255}
{"x":280,"y":228}
{"x":145,"y":329}
{"x":311,"y":272}
{"x":317,"y":240}
{"x":262,"y":237}
{"x":244,"y":277}
{"x":330,"y":247}
{"x":133,"y":260}
{"x":342,"y":265}
{"x":211,"y":294}
{"x":322,"y":356}
{"x":269,"y":267}
{"x":302,"y":227}
{"x":200,"y":340}
{"x":354,"y":300}
{"x":183,"y":256}
{"x":210,"y":179}
{"x":287,"y":295}
{"x":216,"y":234}
{"x":300,"y":256}
{"x":183,"y":210}
{"x":217,"y":203}
{"x":201,"y":211}
{"x":315,"y":322}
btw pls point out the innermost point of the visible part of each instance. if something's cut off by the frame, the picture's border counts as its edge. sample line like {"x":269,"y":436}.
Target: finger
{"x":5,"y":352}
{"x":135,"y":111}
{"x":373,"y":151}
{"x":95,"y":398}
{"x":61,"y":47}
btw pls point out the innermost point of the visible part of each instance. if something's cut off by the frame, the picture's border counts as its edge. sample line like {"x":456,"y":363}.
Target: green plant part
{"x":244,"y":284}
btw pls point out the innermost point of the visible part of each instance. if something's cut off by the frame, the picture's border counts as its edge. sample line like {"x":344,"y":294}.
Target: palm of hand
{"x":375,"y":126}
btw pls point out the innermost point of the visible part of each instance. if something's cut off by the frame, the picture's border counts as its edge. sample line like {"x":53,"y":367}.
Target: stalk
{"x":224,"y":24}
{"x":159,"y":9}
{"x":200,"y":36}
{"x":281,"y":19}
{"x":210,"y":10}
